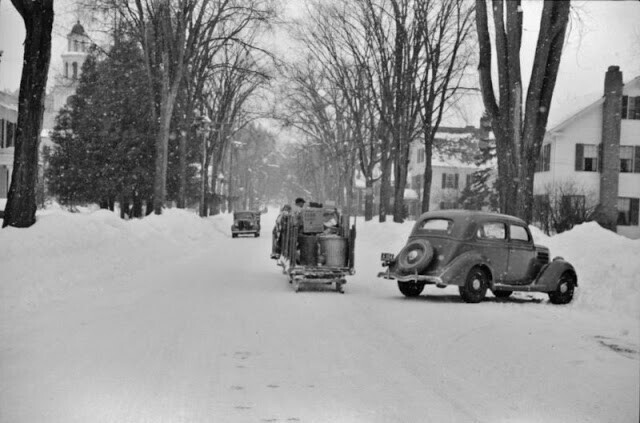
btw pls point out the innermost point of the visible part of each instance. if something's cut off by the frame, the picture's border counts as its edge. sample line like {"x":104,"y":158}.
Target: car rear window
{"x":244,"y":216}
{"x":443,"y":226}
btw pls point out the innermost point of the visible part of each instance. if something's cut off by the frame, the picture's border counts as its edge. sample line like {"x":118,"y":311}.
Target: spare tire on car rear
{"x":415,"y":256}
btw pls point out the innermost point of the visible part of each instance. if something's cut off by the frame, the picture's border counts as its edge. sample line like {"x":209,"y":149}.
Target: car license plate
{"x":386,"y":257}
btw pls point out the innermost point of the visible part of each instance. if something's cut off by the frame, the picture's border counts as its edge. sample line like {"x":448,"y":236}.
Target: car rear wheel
{"x":564,"y":291}
{"x":502,"y":294}
{"x":475,"y":287}
{"x":410,"y":289}
{"x":257,"y":234}
{"x":234,"y":235}
{"x":415,"y":256}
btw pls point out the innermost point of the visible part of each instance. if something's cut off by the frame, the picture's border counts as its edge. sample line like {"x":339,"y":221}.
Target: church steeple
{"x":77,"y":47}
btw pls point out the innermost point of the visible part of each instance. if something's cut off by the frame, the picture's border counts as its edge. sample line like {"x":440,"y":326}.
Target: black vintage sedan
{"x":478,"y":251}
{"x":246,"y":223}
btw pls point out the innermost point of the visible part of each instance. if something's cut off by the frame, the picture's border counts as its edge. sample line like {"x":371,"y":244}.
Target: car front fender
{"x":456,"y":272}
{"x":550,"y":274}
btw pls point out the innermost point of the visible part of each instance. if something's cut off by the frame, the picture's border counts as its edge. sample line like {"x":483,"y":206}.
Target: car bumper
{"x":429,"y":279}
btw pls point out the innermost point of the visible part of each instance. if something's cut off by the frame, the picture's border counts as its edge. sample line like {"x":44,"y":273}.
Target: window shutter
{"x":636,"y":159}
{"x":633,"y":212}
{"x":579,"y":157}
{"x":456,"y":182}
{"x":547,"y":157}
{"x":444,"y":180}
{"x":441,"y":205}
{"x":600,"y":155}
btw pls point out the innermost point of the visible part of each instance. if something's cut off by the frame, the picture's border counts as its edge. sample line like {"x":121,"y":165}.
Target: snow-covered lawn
{"x":169,"y":319}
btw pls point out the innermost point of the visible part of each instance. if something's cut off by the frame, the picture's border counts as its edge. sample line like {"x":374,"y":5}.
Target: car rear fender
{"x":456,"y":272}
{"x":550,"y":274}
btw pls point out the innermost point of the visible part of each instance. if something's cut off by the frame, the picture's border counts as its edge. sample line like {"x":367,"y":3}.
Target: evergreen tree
{"x":103,"y":141}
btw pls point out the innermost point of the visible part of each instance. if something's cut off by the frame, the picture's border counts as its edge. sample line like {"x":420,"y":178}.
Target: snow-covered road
{"x":216,"y":334}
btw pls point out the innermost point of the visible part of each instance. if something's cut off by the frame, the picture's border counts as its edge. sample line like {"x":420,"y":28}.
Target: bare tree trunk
{"x":428,"y":176}
{"x":368,"y":200}
{"x":519,"y":138}
{"x":182,"y":188}
{"x":20,"y":210}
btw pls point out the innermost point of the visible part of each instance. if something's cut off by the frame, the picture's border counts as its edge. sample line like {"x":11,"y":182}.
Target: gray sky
{"x":606,"y":33}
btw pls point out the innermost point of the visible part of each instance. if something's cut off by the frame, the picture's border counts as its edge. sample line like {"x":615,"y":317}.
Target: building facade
{"x":8,"y":124}
{"x":78,"y":45}
{"x":451,"y":174}
{"x":592,"y":159}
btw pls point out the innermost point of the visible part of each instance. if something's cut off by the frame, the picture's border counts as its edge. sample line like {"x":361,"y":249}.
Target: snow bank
{"x":68,"y":250}
{"x":607,"y":264}
{"x":65,"y":252}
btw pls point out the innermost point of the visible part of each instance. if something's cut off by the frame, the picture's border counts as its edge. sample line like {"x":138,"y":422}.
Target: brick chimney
{"x":609,"y":175}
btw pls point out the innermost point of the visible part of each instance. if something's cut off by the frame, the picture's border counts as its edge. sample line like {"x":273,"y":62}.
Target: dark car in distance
{"x":478,"y":251}
{"x":246,"y":223}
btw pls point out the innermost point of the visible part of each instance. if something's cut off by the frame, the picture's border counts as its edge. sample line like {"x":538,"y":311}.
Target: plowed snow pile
{"x":68,"y":249}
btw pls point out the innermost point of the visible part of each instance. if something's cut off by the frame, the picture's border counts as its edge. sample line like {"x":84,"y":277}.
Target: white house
{"x":8,"y":124}
{"x":595,"y":156}
{"x":450,"y":175}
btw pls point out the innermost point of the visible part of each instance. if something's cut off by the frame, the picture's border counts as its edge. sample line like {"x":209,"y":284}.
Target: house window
{"x":626,"y":159}
{"x":4,"y":181}
{"x":630,"y":107}
{"x":416,"y":182}
{"x":448,"y":205}
{"x":66,"y":70}
{"x":1,"y":133}
{"x":544,"y":163}
{"x":75,"y":70}
{"x":587,"y":157}
{"x":572,"y":203}
{"x":10,"y":139}
{"x":469,"y":180}
{"x":421,"y":155}
{"x":75,"y":45}
{"x":628,"y":211}
{"x":450,"y":180}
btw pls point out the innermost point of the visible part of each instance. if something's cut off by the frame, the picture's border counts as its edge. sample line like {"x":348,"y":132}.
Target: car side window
{"x":492,"y":230}
{"x":518,"y":233}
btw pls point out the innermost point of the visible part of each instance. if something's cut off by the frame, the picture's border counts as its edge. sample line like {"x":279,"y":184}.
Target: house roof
{"x":573,"y":108}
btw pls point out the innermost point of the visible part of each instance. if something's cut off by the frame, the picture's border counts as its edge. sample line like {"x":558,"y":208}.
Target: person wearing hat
{"x":299,"y":205}
{"x":276,"y":244}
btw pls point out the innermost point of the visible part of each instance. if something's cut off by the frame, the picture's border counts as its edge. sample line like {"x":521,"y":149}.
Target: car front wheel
{"x":475,"y":287}
{"x":564,"y":291}
{"x":410,"y":289}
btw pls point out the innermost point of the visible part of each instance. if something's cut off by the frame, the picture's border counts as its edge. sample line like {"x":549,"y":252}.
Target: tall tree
{"x":519,"y":136}
{"x":20,"y":210}
{"x":446,"y":27}
{"x":103,"y":140}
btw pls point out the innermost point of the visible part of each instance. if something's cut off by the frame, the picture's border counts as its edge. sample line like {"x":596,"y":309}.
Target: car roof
{"x":458,"y":215}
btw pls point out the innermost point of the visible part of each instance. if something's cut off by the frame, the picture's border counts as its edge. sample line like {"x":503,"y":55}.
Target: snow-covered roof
{"x":567,"y":110}
{"x":449,"y":161}
{"x":410,"y":194}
